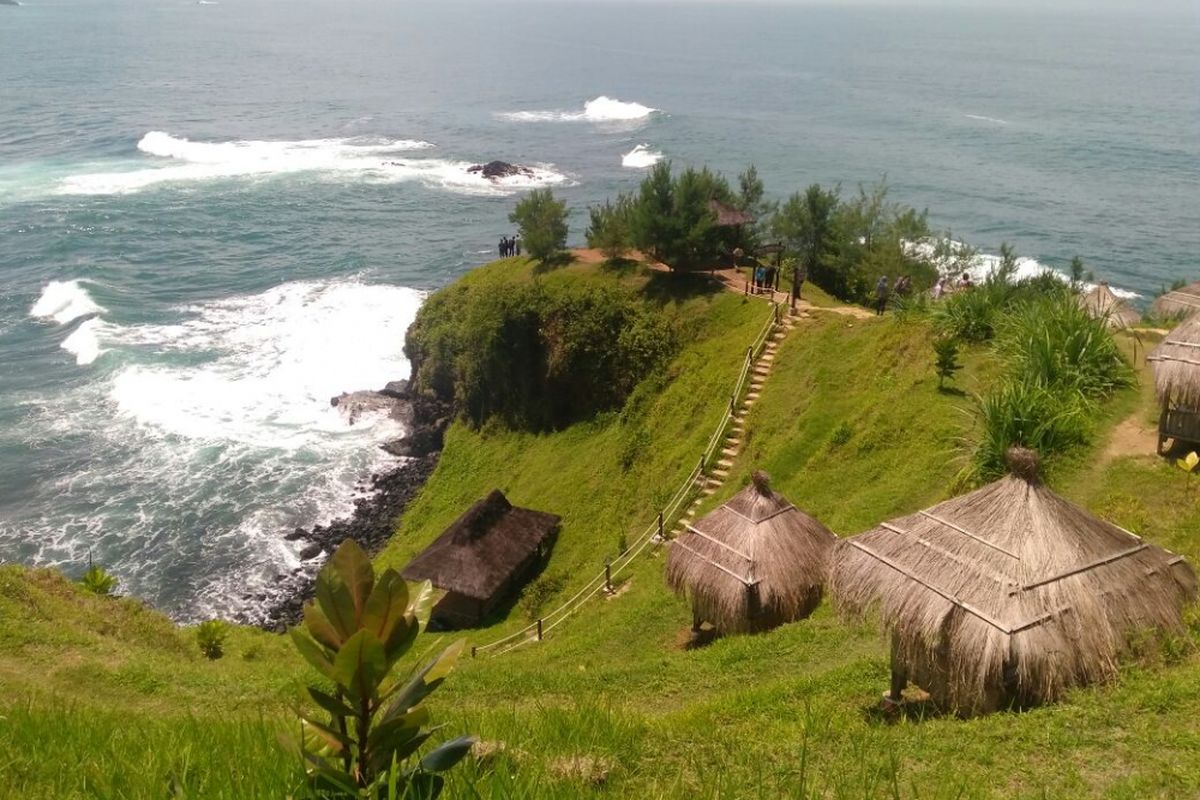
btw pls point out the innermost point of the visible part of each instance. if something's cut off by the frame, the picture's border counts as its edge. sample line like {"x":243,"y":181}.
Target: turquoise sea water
{"x":216,"y":215}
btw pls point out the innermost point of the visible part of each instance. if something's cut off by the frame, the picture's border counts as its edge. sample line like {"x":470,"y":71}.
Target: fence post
{"x":660,"y":526}
{"x":732,"y":406}
{"x":539,"y":630}
{"x":701,"y":464}
{"x":473,"y":651}
{"x":608,"y":576}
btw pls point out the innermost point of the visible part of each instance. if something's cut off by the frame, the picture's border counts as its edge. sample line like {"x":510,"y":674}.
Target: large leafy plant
{"x":354,"y":633}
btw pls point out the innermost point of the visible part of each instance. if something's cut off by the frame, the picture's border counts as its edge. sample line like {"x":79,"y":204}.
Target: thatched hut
{"x":1008,"y":595}
{"x":1101,"y":303}
{"x":753,"y":564}
{"x":1178,"y":303}
{"x":1176,"y":363}
{"x":482,"y":558}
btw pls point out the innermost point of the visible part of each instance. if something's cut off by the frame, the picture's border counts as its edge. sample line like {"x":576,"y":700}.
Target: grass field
{"x":103,"y":698}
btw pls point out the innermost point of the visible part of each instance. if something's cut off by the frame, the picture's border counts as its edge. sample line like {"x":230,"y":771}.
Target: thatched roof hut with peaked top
{"x":482,"y":557}
{"x":1178,"y":303}
{"x":1009,"y":595}
{"x":1101,"y":303}
{"x":753,"y":564}
{"x":1176,"y":363}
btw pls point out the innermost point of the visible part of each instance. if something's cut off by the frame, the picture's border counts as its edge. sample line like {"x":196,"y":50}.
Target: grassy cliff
{"x":104,"y":698}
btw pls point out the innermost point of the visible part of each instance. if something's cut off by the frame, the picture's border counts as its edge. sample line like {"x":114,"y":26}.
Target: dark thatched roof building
{"x":753,"y":564}
{"x":1009,"y":595}
{"x":482,"y":557}
{"x":1178,"y":303}
{"x":1176,"y":363}
{"x":1101,"y":303}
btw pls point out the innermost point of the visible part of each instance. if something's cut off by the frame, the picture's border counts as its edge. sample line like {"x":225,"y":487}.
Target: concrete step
{"x":730,"y":452}
{"x":751,"y":397}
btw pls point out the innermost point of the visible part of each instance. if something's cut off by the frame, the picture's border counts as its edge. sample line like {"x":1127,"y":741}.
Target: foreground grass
{"x":611,"y":705}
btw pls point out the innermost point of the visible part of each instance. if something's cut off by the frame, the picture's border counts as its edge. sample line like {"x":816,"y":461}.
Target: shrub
{"x":539,"y":592}
{"x":98,"y":581}
{"x":609,"y":229}
{"x":945,"y":351}
{"x":543,"y":224}
{"x":211,"y":635}
{"x":354,"y":634}
{"x":1052,"y":341}
{"x":536,"y":356}
{"x":1045,"y":420}
{"x":841,"y":435}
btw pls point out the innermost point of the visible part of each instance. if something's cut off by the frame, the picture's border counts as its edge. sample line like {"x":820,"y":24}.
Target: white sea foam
{"x":184,"y":161}
{"x":981,"y":118}
{"x":641,"y":157}
{"x":600,"y":109}
{"x":980,"y":265}
{"x":280,"y":356}
{"x":63,"y":301}
{"x":84,"y":341}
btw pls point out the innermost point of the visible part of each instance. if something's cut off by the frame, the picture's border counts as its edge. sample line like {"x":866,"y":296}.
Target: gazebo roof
{"x":1101,"y":303}
{"x":728,"y":216}
{"x":1009,"y":591}
{"x":478,"y":554}
{"x":1176,"y":362}
{"x":754,"y":563}
{"x":1182,"y":302}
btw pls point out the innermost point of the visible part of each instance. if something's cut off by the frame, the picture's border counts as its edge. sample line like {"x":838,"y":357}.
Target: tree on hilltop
{"x":542,"y":221}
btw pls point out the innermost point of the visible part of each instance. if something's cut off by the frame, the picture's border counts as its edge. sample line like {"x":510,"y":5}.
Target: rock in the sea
{"x":396,"y":389}
{"x":355,"y":404}
{"x":494,"y":170}
{"x":310,"y":551}
{"x":299,"y":533}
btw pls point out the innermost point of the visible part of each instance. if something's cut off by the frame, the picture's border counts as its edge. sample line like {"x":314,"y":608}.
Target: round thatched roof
{"x":752,"y":564}
{"x":1178,"y":303}
{"x":1009,"y":593}
{"x":1176,"y":363}
{"x":1101,"y":303}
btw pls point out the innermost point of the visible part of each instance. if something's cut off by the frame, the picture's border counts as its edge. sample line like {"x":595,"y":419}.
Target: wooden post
{"x":608,"y":576}
{"x":701,"y":464}
{"x":539,"y":630}
{"x":473,"y":648}
{"x":732,"y":406}
{"x":899,"y":675}
{"x":660,"y":526}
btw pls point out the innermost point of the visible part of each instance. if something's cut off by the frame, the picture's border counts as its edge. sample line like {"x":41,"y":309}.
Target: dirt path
{"x":1132,"y":437}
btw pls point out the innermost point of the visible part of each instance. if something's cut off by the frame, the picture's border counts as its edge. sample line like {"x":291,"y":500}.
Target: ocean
{"x":216,"y":215}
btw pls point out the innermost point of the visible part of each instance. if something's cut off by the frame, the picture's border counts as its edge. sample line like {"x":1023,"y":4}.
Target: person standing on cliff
{"x":881,"y":295}
{"x":503,"y":245}
{"x":516,"y":243}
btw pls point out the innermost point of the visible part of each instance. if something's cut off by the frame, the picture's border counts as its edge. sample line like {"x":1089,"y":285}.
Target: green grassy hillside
{"x":103,"y":698}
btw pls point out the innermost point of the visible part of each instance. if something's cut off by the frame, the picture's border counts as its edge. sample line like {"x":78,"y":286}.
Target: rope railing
{"x":657,"y":529}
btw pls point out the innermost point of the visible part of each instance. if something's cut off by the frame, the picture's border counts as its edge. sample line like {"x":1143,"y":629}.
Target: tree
{"x":945,"y":349}
{"x":542,"y":221}
{"x":806,"y":224}
{"x":651,"y":219}
{"x":354,"y":633}
{"x":609,"y":231}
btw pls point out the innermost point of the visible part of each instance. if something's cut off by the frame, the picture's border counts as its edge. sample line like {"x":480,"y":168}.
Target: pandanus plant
{"x":354,"y":633}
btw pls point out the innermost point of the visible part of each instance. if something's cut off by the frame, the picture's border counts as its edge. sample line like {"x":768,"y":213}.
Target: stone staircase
{"x":736,"y":434}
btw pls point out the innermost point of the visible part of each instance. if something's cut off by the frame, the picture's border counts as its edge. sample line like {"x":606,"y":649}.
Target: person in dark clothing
{"x":516,"y":243}
{"x":881,"y":294}
{"x":503,"y":245}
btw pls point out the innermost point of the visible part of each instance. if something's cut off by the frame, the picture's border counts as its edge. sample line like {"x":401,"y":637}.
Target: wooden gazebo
{"x":1176,"y":363}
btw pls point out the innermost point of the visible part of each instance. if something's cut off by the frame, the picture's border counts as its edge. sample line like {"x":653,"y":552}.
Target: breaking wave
{"x":981,"y":118}
{"x":182,"y":161}
{"x":63,"y":301}
{"x":599,"y":109}
{"x":641,"y":157}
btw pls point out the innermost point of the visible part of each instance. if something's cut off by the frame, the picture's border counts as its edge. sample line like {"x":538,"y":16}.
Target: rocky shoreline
{"x":371,"y":524}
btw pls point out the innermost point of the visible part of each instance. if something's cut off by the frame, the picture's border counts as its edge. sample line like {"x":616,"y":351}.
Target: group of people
{"x":766,"y":278}
{"x":510,"y":246}
{"x":903,"y":288}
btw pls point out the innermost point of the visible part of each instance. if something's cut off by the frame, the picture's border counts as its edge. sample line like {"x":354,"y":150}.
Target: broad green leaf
{"x":422,"y":684}
{"x":399,"y":729}
{"x":313,"y":653}
{"x":320,"y":627}
{"x":336,"y":740}
{"x":330,"y":703}
{"x":422,"y":603}
{"x":446,"y":755}
{"x":398,"y":752}
{"x":335,"y":602}
{"x":401,"y":638}
{"x":353,"y":566}
{"x":386,"y":605}
{"x":360,"y":666}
